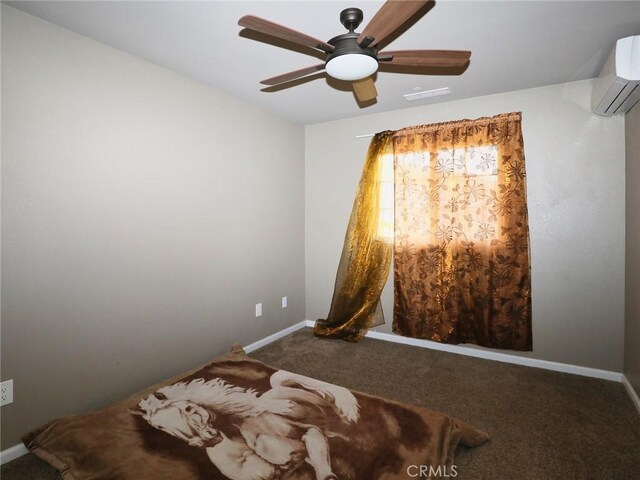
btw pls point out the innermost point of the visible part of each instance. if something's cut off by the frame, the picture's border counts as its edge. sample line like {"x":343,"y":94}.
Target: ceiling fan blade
{"x":275,"y":30}
{"x":365,"y":89}
{"x":293,"y":83}
{"x":425,"y":58}
{"x":285,"y":77}
{"x":389,"y":18}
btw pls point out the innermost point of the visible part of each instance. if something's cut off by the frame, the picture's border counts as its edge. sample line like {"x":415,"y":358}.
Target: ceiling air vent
{"x":410,"y":97}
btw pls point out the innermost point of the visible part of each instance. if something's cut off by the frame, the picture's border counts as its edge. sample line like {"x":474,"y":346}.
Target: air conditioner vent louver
{"x":617,"y":89}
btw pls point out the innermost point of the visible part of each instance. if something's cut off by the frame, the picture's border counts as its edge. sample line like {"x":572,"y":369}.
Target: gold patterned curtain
{"x":366,"y":254}
{"x":461,"y":256}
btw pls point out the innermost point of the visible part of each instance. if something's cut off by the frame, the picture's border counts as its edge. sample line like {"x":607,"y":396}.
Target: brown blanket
{"x":237,"y":418}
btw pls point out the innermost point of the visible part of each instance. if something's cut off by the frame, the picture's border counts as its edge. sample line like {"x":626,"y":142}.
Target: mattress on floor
{"x":238,"y":418}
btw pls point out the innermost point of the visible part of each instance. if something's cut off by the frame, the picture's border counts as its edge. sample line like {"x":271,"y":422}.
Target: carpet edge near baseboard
{"x":496,"y":356}
{"x":12,"y":453}
{"x":632,"y":392}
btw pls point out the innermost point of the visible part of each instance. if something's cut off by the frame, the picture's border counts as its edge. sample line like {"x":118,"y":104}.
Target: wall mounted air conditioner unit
{"x":617,"y":89}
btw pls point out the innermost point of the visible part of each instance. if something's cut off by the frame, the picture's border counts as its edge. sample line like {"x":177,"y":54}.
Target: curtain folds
{"x":366,"y":254}
{"x":461,"y":255}
{"x":448,"y":202}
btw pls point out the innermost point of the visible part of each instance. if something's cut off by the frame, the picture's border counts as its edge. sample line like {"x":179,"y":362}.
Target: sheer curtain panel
{"x":366,"y":253}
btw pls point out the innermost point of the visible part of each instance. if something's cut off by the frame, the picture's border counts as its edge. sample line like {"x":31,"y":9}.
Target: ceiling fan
{"x":353,"y":56}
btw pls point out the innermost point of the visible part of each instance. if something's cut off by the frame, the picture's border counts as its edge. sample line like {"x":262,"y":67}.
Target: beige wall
{"x":632,"y":270}
{"x":575,"y":165}
{"x":143,"y":217}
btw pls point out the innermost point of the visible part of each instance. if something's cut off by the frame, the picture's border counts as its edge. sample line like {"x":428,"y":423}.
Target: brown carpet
{"x":543,"y":425}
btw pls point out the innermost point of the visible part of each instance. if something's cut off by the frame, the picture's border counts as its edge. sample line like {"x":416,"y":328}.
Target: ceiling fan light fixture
{"x":351,"y":66}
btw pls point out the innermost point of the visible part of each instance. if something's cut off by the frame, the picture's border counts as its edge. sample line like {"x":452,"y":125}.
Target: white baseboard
{"x":632,"y":393}
{"x":12,"y":453}
{"x":497,"y":356}
{"x":272,"y":338}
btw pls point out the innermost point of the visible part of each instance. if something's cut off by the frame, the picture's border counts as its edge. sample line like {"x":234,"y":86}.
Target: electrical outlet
{"x":258,"y":309}
{"x":6,"y":392}
{"x":284,"y":302}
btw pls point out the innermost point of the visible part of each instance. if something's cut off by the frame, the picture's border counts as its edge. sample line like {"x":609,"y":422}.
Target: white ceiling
{"x":515,"y":45}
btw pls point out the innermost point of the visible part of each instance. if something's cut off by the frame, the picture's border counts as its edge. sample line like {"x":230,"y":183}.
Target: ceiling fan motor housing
{"x":346,"y":44}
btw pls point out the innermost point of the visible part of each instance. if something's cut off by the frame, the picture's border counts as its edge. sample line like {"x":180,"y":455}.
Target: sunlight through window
{"x":385,"y":220}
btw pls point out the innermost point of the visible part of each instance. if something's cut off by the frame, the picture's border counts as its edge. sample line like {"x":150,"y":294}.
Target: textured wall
{"x":143,"y":216}
{"x":632,"y":270}
{"x":575,"y":166}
